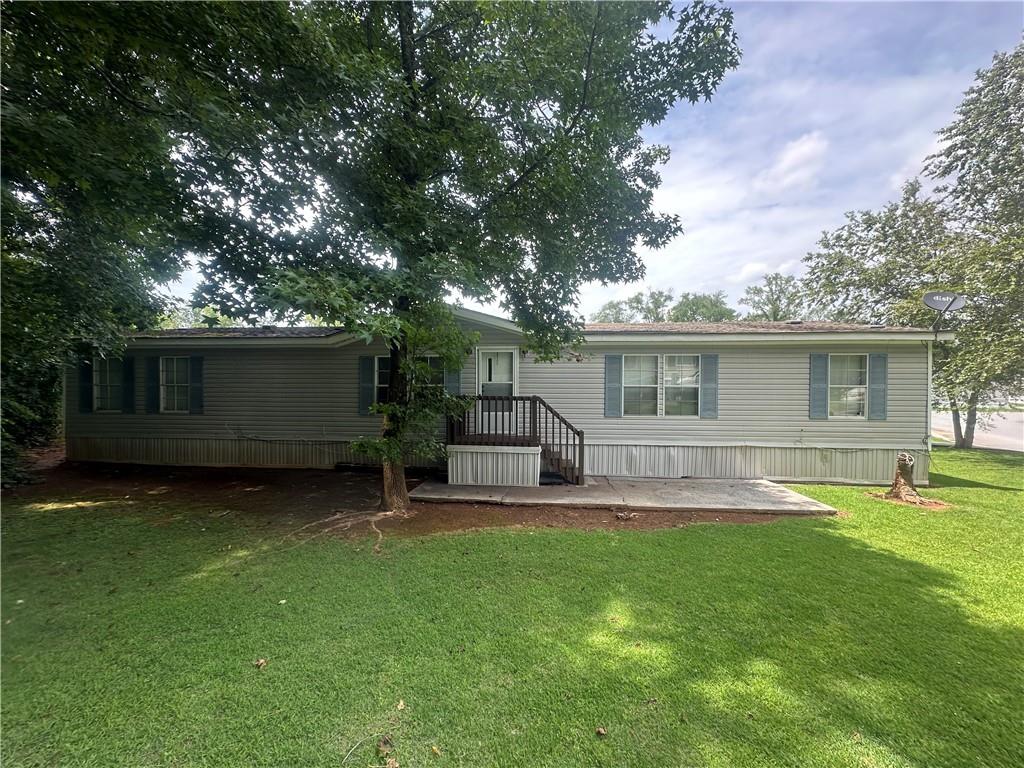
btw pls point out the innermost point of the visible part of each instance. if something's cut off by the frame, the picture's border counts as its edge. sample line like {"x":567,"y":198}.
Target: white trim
{"x":484,"y":319}
{"x":186,"y":385}
{"x":928,"y":400}
{"x":787,"y":337}
{"x":493,"y":449}
{"x":657,"y":387}
{"x":692,"y":443}
{"x":97,"y":361}
{"x":829,"y":385}
{"x":480,"y":351}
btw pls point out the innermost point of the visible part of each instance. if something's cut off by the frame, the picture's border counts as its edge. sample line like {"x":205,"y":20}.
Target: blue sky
{"x":833,"y":106}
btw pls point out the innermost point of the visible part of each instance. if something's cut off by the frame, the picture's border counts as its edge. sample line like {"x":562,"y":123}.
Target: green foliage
{"x":662,"y":306}
{"x":982,"y":155}
{"x":878,"y":265}
{"x":702,"y":307}
{"x":102,"y":105}
{"x":779,"y":297}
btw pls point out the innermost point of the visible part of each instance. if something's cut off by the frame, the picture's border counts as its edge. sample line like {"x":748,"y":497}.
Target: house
{"x":791,"y":401}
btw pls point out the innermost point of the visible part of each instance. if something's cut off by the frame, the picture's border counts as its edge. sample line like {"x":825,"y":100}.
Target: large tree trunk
{"x":902,"y":488}
{"x":972,"y":421}
{"x":958,"y":432}
{"x":394,"y":493}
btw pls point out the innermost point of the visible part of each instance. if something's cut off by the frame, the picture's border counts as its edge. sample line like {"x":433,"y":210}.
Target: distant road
{"x":1004,"y":430}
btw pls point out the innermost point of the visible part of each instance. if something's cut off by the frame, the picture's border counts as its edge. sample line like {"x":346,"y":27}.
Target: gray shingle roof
{"x":746,"y":326}
{"x":258,"y":332}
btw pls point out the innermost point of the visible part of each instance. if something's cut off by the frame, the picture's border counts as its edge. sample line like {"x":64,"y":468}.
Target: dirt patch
{"x":306,"y":503}
{"x":923,"y":504}
{"x":429,"y":517}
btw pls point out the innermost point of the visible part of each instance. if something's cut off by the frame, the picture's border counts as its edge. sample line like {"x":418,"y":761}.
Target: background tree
{"x":702,"y":307}
{"x":650,"y":307}
{"x":878,"y":266}
{"x":492,"y":150}
{"x":662,"y":306}
{"x":779,"y":297}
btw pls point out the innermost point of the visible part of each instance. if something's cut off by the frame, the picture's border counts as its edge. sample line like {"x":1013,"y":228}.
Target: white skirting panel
{"x":213,"y":452}
{"x":842,"y":465}
{"x":493,"y":465}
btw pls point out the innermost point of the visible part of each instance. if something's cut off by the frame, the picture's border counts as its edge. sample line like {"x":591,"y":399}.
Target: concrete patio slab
{"x":759,"y":496}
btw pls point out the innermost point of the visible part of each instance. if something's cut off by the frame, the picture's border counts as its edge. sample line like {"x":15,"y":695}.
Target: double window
{"x":680,"y":385}
{"x":106,"y":384}
{"x":382,"y":374}
{"x":174,"y":385}
{"x":847,"y":385}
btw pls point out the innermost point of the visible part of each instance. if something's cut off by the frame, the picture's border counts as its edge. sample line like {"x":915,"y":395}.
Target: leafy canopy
{"x":656,"y":306}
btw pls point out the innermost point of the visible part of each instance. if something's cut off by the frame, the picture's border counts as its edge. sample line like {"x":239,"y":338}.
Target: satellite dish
{"x":943,"y":301}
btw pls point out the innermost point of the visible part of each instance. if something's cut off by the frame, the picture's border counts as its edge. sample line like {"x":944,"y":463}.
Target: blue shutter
{"x":195,"y":384}
{"x":152,"y":385}
{"x":709,"y":386}
{"x":453,"y":381}
{"x":878,"y":376}
{"x":819,"y":387}
{"x":612,"y":385}
{"x":366,"y":384}
{"x":128,"y":385}
{"x":85,"y":386}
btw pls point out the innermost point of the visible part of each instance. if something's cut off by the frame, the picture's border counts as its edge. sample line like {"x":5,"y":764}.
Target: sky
{"x":832,"y":108}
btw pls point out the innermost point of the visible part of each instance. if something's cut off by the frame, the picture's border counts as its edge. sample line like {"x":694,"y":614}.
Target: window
{"x":106,"y":384}
{"x":174,"y":385}
{"x":682,"y":385}
{"x":383,"y":375}
{"x":847,"y":385}
{"x":639,"y":385}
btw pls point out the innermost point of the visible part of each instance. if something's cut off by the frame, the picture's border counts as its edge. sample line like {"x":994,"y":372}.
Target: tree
{"x":489,"y":150}
{"x":878,"y":266}
{"x":982,"y":155}
{"x":702,"y":307}
{"x":779,"y":297}
{"x":650,"y":307}
{"x":657,"y":307}
{"x":100,"y":101}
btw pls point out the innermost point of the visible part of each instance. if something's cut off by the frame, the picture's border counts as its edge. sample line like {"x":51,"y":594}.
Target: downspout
{"x":928,"y":401}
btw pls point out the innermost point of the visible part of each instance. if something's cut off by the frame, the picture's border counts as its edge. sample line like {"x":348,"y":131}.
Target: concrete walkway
{"x":689,"y":495}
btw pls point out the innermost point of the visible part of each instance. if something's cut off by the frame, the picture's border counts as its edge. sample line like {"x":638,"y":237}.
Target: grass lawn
{"x":888,"y":636}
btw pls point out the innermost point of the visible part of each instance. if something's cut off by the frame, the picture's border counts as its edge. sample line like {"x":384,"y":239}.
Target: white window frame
{"x":481,"y":351}
{"x":664,"y":387}
{"x":657,"y":386}
{"x":186,"y":385}
{"x":830,"y":385}
{"x":103,"y":364}
{"x":376,"y":373}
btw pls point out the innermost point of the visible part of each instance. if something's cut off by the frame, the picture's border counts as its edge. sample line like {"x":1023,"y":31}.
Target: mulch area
{"x":318,"y":500}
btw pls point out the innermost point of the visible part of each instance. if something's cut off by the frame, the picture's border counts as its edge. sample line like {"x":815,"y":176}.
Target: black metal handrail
{"x":521,"y":420}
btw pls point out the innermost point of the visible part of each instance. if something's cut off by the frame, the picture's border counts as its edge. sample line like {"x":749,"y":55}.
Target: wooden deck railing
{"x":522,"y":420}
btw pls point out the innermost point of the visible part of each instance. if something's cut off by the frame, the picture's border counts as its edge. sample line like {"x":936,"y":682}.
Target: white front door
{"x":496,"y":375}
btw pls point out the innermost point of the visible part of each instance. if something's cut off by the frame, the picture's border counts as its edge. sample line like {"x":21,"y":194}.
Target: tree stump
{"x":902,"y":488}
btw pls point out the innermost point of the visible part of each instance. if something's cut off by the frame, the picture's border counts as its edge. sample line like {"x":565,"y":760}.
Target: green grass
{"x":887,"y":637}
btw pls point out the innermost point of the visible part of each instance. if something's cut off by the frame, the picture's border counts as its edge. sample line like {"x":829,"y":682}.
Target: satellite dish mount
{"x":942,"y":302}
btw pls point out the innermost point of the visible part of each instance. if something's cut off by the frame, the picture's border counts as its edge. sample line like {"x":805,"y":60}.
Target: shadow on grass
{"x":790,"y":644}
{"x":817,"y":651}
{"x":939,"y":480}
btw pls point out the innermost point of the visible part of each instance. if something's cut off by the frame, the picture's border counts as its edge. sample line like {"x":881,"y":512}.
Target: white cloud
{"x":797,"y":165}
